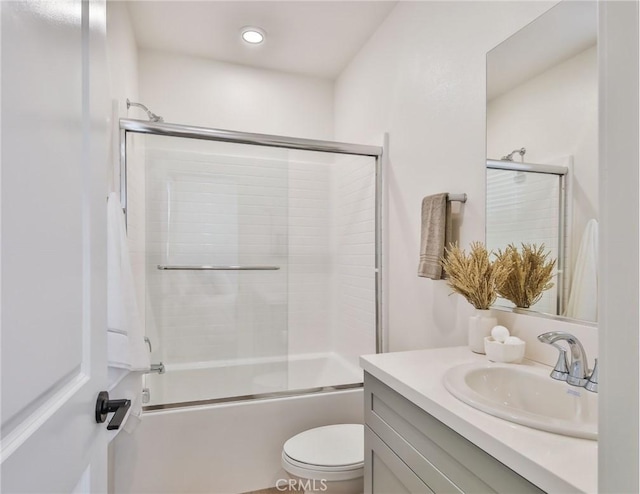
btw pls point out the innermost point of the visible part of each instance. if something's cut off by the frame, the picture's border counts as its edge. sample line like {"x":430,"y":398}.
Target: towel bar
{"x":218,"y":268}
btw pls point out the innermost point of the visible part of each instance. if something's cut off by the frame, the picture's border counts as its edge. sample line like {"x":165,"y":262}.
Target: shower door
{"x":216,"y":267}
{"x":258,"y":264}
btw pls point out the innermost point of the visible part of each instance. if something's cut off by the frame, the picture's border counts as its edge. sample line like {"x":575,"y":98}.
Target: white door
{"x":53,"y":247}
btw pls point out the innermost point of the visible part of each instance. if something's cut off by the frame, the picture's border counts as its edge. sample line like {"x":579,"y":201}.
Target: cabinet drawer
{"x":441,"y":457}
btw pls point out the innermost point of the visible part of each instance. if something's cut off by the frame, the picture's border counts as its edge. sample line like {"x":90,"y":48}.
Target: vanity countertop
{"x":554,"y":463}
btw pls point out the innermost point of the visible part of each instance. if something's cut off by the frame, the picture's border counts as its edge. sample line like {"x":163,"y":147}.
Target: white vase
{"x":480,"y":325}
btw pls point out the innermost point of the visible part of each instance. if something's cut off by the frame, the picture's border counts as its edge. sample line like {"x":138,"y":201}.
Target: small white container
{"x":480,"y":326}
{"x":499,"y":352}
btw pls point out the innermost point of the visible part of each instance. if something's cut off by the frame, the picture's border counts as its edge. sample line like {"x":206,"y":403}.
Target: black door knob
{"x":104,"y":406}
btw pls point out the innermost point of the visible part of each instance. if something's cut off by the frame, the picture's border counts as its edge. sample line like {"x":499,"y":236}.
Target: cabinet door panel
{"x":388,"y":474}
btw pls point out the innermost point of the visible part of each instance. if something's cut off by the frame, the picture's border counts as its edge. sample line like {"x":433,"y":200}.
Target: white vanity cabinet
{"x":408,"y":450}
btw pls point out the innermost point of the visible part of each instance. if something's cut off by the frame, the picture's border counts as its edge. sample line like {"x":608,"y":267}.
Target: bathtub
{"x":193,"y":439}
{"x":210,"y":382}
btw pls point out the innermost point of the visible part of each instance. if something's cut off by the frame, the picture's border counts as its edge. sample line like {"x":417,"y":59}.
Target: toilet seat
{"x":315,"y":472}
{"x":322,"y":468}
{"x":333,"y":453}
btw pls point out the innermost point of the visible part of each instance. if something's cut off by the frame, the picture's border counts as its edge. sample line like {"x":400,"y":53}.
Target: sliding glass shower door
{"x":256,"y":264}
{"x":216,"y":268}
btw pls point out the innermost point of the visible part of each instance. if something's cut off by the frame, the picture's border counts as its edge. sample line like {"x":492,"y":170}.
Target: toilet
{"x":327,"y":459}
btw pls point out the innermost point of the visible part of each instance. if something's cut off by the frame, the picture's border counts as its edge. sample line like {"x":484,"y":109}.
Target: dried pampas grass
{"x":530,"y":275}
{"x":474,"y":276}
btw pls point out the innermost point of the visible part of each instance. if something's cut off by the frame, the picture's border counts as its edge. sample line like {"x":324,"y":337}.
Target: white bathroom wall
{"x":122,"y":53}
{"x":555,"y":115}
{"x":198,"y":91}
{"x":421,"y":77}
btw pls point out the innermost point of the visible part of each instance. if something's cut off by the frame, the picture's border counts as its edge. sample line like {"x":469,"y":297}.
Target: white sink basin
{"x":526,"y":395}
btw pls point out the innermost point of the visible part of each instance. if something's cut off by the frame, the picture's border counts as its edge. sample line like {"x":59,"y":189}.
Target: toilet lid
{"x":330,"y":446}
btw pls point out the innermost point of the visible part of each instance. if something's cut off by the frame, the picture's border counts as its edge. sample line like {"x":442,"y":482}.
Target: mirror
{"x":542,"y":151}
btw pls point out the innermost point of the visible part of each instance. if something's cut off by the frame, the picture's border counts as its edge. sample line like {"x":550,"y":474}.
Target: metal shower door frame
{"x":208,"y":134}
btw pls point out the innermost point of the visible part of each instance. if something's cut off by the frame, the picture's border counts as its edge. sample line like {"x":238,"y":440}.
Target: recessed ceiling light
{"x":253,"y":35}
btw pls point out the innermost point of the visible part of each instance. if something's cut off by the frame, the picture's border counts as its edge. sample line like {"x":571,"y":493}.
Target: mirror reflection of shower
{"x":526,"y":204}
{"x":518,"y":177}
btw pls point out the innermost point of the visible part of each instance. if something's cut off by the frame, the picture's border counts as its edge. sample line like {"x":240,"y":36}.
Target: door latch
{"x":104,"y":406}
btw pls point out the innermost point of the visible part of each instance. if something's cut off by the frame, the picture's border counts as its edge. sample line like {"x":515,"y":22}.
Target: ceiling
{"x":316,"y":38}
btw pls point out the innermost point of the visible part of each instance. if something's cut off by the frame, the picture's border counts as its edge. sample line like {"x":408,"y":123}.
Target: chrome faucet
{"x":575,"y":372}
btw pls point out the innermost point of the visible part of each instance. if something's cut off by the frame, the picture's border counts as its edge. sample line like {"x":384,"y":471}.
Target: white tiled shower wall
{"x":309,"y":237}
{"x":136,"y":216}
{"x":310,"y":214}
{"x":209,"y":209}
{"x":354,"y":240}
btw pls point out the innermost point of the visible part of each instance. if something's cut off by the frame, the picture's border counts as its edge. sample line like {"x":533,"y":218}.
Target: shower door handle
{"x":207,"y":267}
{"x":104,"y":406}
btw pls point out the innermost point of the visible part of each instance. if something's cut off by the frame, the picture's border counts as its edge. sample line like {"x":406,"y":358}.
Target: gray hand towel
{"x":435,"y":234}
